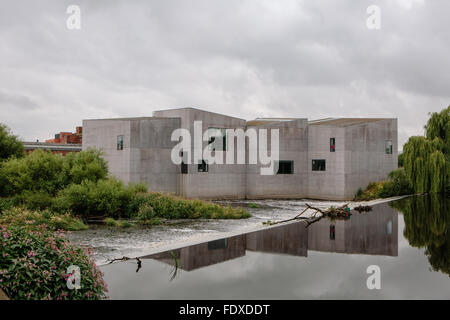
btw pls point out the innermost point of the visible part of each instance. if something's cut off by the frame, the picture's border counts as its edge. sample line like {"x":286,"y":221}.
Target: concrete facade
{"x":359,"y":158}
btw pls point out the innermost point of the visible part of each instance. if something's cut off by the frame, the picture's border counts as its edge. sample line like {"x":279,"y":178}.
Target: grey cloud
{"x":245,"y":58}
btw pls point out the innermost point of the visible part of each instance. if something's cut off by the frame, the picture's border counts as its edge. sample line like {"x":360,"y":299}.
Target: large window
{"x":388,"y":144}
{"x":119,"y":142}
{"x":332,"y":144}
{"x":203,"y":167}
{"x":285,"y":167}
{"x":318,"y":165}
{"x":218,"y":244}
{"x":217,"y":139}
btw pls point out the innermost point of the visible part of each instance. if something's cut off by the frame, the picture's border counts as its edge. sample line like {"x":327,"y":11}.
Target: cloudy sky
{"x":245,"y":58}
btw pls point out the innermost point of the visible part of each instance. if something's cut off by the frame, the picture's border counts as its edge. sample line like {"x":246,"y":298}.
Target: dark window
{"x":203,"y":167}
{"x":218,"y":244}
{"x":184,"y":166}
{"x":119,"y":142}
{"x":332,"y":144}
{"x":285,"y":167}
{"x":218,"y":136}
{"x":318,"y":165}
{"x":388,"y":144}
{"x":332,"y":232}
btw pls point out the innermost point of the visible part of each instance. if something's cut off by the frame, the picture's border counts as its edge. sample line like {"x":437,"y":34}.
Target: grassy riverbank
{"x":65,"y":192}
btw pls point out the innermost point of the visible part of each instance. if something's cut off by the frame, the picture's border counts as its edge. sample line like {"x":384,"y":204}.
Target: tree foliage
{"x":10,"y":146}
{"x":427,"y":225}
{"x":42,"y":171}
{"x":427,"y":159}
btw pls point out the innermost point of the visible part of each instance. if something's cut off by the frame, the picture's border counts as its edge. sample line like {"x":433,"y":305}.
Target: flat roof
{"x":266,"y":121}
{"x":51,"y":146}
{"x":344,"y":122}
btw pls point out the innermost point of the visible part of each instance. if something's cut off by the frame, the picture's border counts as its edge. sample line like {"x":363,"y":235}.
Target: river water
{"x":406,"y":242}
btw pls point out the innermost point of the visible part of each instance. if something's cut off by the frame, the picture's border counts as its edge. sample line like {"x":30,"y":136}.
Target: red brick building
{"x":68,"y":137}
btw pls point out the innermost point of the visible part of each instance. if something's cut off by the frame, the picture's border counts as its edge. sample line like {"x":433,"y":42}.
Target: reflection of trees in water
{"x":427,"y":225}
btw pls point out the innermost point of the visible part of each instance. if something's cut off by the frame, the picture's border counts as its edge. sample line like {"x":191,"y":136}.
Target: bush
{"x":158,"y":205}
{"x":398,"y":185}
{"x":85,"y":165}
{"x":35,"y":263}
{"x":107,"y":197}
{"x":10,"y":146}
{"x":117,"y":223}
{"x":24,"y":217}
{"x":370,"y":193}
{"x":48,"y":173}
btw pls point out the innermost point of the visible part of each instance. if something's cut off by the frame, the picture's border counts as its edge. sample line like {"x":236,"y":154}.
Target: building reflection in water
{"x":373,"y":233}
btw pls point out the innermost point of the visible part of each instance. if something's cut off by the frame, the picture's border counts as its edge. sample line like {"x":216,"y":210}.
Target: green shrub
{"x":397,"y":185}
{"x":370,"y":193}
{"x":145,"y":212}
{"x":48,"y":173}
{"x":10,"y":145}
{"x":85,"y":165}
{"x":5,"y":204}
{"x":253,"y":205}
{"x":34,"y":200}
{"x":24,"y":217}
{"x":108,"y":197}
{"x":35,"y":262}
{"x":117,"y":223}
{"x":158,"y":205}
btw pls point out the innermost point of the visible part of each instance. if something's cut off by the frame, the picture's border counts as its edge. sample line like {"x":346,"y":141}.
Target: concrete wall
{"x":329,"y":184}
{"x":225,"y":181}
{"x":359,"y":157}
{"x":293,"y":141}
{"x":146,"y":150}
{"x":102,"y":134}
{"x":365,"y":158}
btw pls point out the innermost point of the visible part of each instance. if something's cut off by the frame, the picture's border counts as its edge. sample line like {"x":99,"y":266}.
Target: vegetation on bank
{"x":35,"y":263}
{"x":424,"y":163}
{"x":65,"y":191}
{"x":10,"y":146}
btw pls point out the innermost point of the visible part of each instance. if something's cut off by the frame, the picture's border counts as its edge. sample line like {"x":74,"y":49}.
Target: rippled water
{"x":111,"y":243}
{"x":408,"y":240}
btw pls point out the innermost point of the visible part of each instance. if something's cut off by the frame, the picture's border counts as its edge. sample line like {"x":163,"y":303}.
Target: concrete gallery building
{"x":321,"y":159}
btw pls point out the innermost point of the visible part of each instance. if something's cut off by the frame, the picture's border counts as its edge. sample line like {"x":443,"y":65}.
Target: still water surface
{"x":407,"y":239}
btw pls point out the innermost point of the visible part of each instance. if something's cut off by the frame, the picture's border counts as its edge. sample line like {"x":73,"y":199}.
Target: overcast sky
{"x":245,"y":58}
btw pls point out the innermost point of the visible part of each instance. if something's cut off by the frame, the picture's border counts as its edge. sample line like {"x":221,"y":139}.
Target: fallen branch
{"x":138,"y":261}
{"x":332,"y":212}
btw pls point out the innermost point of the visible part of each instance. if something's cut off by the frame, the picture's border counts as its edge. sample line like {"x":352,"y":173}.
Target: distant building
{"x":63,"y":143}
{"x":68,"y":137}
{"x":322,"y":159}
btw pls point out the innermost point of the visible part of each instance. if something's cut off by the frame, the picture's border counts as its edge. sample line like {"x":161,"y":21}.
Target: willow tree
{"x":427,"y":159}
{"x":427,"y":225}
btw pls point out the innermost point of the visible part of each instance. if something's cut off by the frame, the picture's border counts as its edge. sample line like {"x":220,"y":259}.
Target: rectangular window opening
{"x":318,"y":165}
{"x":388,"y":144}
{"x":119,"y":142}
{"x":203,"y":167}
{"x":285,"y":167}
{"x":217,"y":139}
{"x":332,"y":144}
